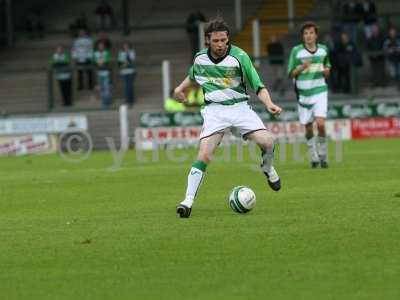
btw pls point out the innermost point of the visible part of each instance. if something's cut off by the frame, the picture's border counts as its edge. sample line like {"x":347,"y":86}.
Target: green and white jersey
{"x":311,"y":81}
{"x":224,"y":80}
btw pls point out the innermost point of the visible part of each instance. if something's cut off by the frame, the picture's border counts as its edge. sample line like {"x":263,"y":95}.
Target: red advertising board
{"x":375,"y":128}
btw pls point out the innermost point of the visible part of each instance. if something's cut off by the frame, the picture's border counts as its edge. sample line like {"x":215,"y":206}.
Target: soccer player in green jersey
{"x":223,"y":70}
{"x":309,"y":66}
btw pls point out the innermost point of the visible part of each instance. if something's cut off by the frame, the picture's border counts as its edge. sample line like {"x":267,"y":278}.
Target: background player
{"x":309,"y":66}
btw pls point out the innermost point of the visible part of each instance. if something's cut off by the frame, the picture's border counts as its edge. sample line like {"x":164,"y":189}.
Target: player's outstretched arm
{"x":179,"y":92}
{"x":265,"y":98}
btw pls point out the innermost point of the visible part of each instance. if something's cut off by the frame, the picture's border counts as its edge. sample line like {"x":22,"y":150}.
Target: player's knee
{"x":321,"y":126}
{"x":204,"y":156}
{"x":268,"y":143}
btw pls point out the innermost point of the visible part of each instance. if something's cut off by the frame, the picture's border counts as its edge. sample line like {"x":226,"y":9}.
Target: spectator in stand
{"x":369,"y":17}
{"x":102,"y":59}
{"x":103,"y":38}
{"x":82,"y":53}
{"x":192,"y":28}
{"x":391,"y":47}
{"x":352,"y":16}
{"x":376,"y":56}
{"x":105,"y":15}
{"x":346,"y":57}
{"x":60,"y":62}
{"x":276,"y":55}
{"x":126,"y":61}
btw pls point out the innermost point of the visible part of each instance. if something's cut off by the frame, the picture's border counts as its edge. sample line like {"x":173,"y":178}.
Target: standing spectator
{"x":352,"y":16}
{"x":391,"y":47}
{"x":105,"y":15}
{"x":102,"y":59}
{"x":376,"y":56}
{"x":369,"y":17}
{"x":102,"y":38}
{"x":126,"y":61}
{"x":82,"y":52}
{"x":346,"y":58}
{"x":276,"y":60}
{"x":192,"y":28}
{"x":60,"y":62}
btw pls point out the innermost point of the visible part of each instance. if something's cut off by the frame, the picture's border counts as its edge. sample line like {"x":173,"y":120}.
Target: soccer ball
{"x":242,"y":199}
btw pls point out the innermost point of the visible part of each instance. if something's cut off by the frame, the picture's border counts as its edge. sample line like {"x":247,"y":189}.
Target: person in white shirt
{"x":82,"y":54}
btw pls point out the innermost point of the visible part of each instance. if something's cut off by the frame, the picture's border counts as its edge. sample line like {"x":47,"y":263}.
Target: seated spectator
{"x":102,"y":38}
{"x":105,"y":15}
{"x":276,"y":55}
{"x":102,"y":59}
{"x":346,"y":57}
{"x":376,"y":56}
{"x":60,"y":62}
{"x":82,"y":52}
{"x":126,"y":62}
{"x":391,"y":47}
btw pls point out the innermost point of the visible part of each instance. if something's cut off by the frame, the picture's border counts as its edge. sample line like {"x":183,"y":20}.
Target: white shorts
{"x":218,"y":117}
{"x":313,"y":106}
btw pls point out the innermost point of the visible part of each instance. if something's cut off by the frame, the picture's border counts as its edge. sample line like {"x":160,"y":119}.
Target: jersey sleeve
{"x":327,"y":62}
{"x":191,"y":73}
{"x":250,"y":74}
{"x":293,"y":62}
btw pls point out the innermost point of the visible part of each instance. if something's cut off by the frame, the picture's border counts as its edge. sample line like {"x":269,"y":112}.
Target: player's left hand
{"x":327,"y":71}
{"x":274,"y":109}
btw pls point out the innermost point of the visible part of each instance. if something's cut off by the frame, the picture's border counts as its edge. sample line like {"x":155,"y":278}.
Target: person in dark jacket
{"x":346,"y":58}
{"x":376,"y":56}
{"x":391,"y":46}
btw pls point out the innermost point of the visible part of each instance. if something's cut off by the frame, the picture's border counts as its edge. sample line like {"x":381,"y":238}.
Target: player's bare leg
{"x":208,"y":145}
{"x":312,"y":145}
{"x":265,"y":141}
{"x":322,"y":141}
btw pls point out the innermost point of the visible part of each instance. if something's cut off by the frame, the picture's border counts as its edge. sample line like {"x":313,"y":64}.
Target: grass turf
{"x":83,"y":231}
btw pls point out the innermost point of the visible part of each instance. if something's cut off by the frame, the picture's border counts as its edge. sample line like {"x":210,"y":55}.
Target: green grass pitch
{"x":83,"y":231}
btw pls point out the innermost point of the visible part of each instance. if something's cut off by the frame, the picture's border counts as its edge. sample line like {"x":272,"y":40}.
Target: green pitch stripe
{"x":313,"y":91}
{"x":215,"y":71}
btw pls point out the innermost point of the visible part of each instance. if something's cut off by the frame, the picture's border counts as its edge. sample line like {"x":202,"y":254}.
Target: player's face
{"x":218,"y":42}
{"x":310,"y":36}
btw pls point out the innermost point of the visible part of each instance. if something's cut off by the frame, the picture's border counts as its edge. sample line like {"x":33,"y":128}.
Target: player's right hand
{"x":179,"y":95}
{"x":306,"y":64}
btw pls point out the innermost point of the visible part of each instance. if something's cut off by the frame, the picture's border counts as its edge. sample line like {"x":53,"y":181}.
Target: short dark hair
{"x":307,"y":25}
{"x":216,"y":25}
